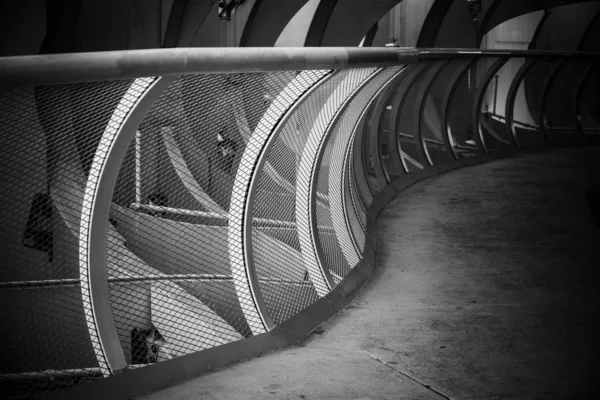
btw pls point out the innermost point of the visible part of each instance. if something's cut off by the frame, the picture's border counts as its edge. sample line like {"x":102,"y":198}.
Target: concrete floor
{"x":486,"y":288}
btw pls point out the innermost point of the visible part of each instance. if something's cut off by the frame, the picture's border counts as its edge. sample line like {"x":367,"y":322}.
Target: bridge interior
{"x":400,"y":222}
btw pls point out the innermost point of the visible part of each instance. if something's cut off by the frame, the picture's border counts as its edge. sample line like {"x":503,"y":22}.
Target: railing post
{"x":579,"y":97}
{"x":307,"y":177}
{"x":241,"y":254}
{"x":448,"y":96}
{"x":95,"y":212}
{"x":512,"y":96}
{"x":545,"y":89}
{"x":478,"y":100}
{"x":419,"y":107}
{"x":398,"y":106}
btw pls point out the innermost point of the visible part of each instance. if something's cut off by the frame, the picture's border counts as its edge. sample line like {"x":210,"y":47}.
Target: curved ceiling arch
{"x":346,"y":22}
{"x":267,"y":20}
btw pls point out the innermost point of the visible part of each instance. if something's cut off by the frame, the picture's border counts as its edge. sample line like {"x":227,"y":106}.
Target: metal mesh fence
{"x":354,"y":210}
{"x":558,"y":117}
{"x":387,"y":137}
{"x":336,"y":236}
{"x":589,"y":106}
{"x":361,"y":151}
{"x":275,"y":201}
{"x":364,"y":140}
{"x":171,"y":281}
{"x":493,"y":106}
{"x":433,"y":132}
{"x":526,"y":108}
{"x":48,"y":138}
{"x":171,"y":206}
{"x":460,"y":124}
{"x":408,"y":118}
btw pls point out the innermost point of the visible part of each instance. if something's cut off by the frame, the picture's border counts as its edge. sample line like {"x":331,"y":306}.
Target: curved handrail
{"x":128,"y":64}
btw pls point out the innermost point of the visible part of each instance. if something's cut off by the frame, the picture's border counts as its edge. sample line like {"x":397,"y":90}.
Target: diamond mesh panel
{"x":389,"y":125}
{"x":358,"y":204}
{"x":431,"y":121}
{"x":276,"y":200}
{"x":559,"y":116}
{"x":48,"y":139}
{"x":364,"y":142}
{"x":384,"y":121}
{"x":172,"y":282}
{"x":589,"y":110}
{"x":460,"y":126}
{"x":361,"y":164}
{"x":355,"y":214}
{"x":315,"y":160}
{"x":493,"y":106}
{"x":408,"y":120}
{"x":170,"y":277}
{"x":337,"y":241}
{"x":526,"y":121}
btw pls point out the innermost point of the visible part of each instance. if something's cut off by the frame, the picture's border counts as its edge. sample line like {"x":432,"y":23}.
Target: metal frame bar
{"x":245,"y":190}
{"x":448,"y":96}
{"x":357,"y":207}
{"x":512,"y":96}
{"x":115,"y":141}
{"x":312,"y":155}
{"x":419,"y":107}
{"x":547,"y":86}
{"x":374,"y":126}
{"x":348,"y":200}
{"x":361,"y":168}
{"x":479,"y":94}
{"x":340,"y":154}
{"x":354,"y":189}
{"x":360,"y":130}
{"x":579,"y":97}
{"x":398,"y":161}
{"x":398,"y":105}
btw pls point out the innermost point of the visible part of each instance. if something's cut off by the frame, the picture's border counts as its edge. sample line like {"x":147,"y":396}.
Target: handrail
{"x":128,"y":64}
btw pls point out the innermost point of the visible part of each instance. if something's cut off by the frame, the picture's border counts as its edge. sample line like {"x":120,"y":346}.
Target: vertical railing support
{"x":97,"y":201}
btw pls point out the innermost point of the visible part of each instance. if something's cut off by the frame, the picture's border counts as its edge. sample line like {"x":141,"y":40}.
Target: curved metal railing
{"x":159,"y":203}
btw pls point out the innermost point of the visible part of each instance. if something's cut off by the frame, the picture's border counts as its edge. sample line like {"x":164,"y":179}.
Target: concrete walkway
{"x":486,"y":288}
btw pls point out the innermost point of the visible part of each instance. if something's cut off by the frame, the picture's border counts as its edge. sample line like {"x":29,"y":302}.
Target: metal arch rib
{"x":244,"y":191}
{"x":546,"y":87}
{"x":448,"y":96}
{"x":307,"y":176}
{"x":512,"y":96}
{"x":479,"y":94}
{"x":579,"y":99}
{"x":97,"y":200}
{"x":365,"y":188}
{"x":374,"y":125}
{"x":398,"y":106}
{"x":348,"y":175}
{"x":419,"y":108}
{"x":244,"y":130}
{"x":337,"y":174}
